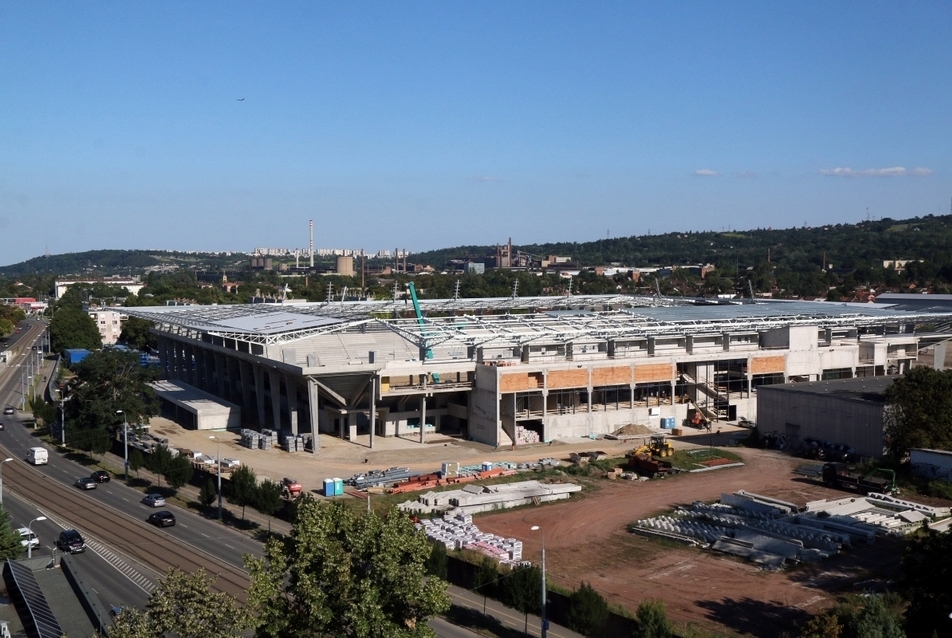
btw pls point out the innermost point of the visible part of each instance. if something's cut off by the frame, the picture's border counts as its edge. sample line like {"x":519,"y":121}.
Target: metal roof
{"x":41,"y":617}
{"x":518,"y":321}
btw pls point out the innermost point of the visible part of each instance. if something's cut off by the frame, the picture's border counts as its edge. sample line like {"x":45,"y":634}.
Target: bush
{"x":652,"y":620}
{"x":208,"y":494}
{"x":588,"y":610}
{"x":436,"y":562}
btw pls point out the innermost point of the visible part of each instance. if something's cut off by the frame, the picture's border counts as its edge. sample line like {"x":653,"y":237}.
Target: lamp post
{"x":125,"y":445}
{"x":545,"y":623}
{"x":29,"y":538}
{"x":1,"y":479}
{"x":218,"y":441}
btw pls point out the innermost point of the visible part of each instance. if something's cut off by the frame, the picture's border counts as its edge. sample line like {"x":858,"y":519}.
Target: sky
{"x":228,"y":125}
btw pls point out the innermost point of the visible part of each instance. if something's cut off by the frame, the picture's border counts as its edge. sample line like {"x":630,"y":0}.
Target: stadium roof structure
{"x":518,"y":321}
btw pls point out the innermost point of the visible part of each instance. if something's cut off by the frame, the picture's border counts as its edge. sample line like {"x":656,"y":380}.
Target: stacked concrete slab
{"x":483,"y":498}
{"x":457,"y":531}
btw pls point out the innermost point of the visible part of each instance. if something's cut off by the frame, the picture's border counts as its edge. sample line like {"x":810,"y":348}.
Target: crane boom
{"x":419,"y":315}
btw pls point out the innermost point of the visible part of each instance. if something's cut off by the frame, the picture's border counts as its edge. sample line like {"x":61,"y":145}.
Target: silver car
{"x":154,"y":500}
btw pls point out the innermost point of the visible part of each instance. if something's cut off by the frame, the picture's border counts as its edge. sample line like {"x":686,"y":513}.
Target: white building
{"x":109,"y":323}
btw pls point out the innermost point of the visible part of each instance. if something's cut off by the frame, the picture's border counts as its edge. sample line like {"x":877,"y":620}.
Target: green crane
{"x":428,"y":354}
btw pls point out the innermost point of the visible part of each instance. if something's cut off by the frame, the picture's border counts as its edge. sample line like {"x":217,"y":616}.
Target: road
{"x":126,"y":556}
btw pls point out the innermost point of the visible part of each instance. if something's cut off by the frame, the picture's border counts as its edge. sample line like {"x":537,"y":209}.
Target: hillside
{"x":120,"y":262}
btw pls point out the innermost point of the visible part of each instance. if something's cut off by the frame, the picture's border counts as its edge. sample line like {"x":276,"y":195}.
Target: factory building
{"x":511,"y":371}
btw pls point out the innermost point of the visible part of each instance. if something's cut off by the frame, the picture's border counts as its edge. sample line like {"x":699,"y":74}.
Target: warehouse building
{"x":518,"y":370}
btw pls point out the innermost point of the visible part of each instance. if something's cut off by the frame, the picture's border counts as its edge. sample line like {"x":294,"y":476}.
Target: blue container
{"x":329,"y":487}
{"x":338,"y":487}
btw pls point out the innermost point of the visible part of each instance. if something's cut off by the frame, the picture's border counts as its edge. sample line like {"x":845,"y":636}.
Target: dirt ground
{"x":586,"y":539}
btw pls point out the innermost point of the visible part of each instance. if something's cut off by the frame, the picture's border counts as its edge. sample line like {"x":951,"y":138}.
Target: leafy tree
{"x":10,"y":546}
{"x":178,"y":471}
{"x":652,"y":620}
{"x":487,"y":575}
{"x":136,"y":460}
{"x":920,"y":411}
{"x":243,"y":488}
{"x":208,"y":493}
{"x":183,"y":605}
{"x":106,"y":382}
{"x":822,"y":626}
{"x":436,"y":561}
{"x":341,"y":573}
{"x":521,"y":589}
{"x":43,"y":411}
{"x":136,"y":333}
{"x":924,"y":581}
{"x":268,"y":499}
{"x":588,"y":610}
{"x":159,"y":461}
{"x":70,"y":327}
{"x":876,"y":620}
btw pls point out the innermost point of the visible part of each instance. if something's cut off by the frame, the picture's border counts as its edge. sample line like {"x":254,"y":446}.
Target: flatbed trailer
{"x":840,"y":475}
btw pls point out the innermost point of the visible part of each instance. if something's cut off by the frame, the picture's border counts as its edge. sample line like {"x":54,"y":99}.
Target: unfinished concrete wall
{"x":483,"y":415}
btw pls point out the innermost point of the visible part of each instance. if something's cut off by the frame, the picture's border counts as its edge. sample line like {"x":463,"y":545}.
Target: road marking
{"x":228,"y":546}
{"x":181,"y":525}
{"x":205,"y":535}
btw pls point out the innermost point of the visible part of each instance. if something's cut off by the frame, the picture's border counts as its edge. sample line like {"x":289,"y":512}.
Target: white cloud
{"x":892,"y":171}
{"x":705,"y":172}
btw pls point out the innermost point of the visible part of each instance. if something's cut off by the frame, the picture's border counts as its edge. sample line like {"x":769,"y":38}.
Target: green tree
{"x":486,"y":577}
{"x":106,"y":383}
{"x":158,"y":461}
{"x":875,"y":619}
{"x":10,"y":546}
{"x":924,"y":581}
{"x":651,"y":620}
{"x":178,"y":472}
{"x":436,"y":561}
{"x":920,"y":411}
{"x":341,"y":573}
{"x":268,"y":499}
{"x":588,"y":610}
{"x":208,"y":493}
{"x":521,"y":589}
{"x":243,"y":488}
{"x":136,"y":460}
{"x":70,"y":327}
{"x":137,"y":333}
{"x":183,"y":605}
{"x":822,"y":626}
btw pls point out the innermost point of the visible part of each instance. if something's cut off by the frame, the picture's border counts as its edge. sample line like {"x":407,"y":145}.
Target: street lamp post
{"x":29,"y":538}
{"x":545,"y":623}
{"x":125,"y":444}
{"x":1,"y":479}
{"x":218,"y":441}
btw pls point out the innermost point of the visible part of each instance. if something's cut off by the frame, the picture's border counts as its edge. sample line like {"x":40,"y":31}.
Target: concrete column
{"x":373,"y":409}
{"x":545,"y":405}
{"x":201,"y":367}
{"x":220,"y":376}
{"x":291,"y":386}
{"x":246,"y":375}
{"x":163,"y":345}
{"x":177,"y":360}
{"x":313,"y":404}
{"x":591,"y":425}
{"x":274,"y":385}
{"x":423,"y":415}
{"x":259,"y":393}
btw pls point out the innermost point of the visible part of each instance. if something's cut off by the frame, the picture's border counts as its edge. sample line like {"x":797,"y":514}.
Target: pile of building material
{"x":483,"y":498}
{"x":456,"y":531}
{"x":263,"y":440}
{"x":772,"y":532}
{"x":525,"y":436}
{"x":376,"y":478}
{"x":294,"y":443}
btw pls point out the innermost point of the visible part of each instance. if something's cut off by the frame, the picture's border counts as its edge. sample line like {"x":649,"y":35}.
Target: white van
{"x":38,"y":456}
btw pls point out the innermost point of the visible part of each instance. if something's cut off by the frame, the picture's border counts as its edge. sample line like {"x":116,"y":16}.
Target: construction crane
{"x":428,"y":354}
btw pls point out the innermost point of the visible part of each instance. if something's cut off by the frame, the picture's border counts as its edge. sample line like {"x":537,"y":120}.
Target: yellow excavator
{"x":656,"y":446}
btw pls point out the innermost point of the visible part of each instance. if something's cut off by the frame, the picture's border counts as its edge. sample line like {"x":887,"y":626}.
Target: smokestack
{"x":311,"y":251}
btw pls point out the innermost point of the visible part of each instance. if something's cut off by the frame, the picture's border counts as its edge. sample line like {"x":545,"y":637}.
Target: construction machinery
{"x":644,"y":463}
{"x":879,"y":480}
{"x":291,"y":489}
{"x":655,"y":446}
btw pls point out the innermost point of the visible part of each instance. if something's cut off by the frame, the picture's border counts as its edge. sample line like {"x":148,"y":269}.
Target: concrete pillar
{"x":423,"y":415}
{"x":246,"y":375}
{"x":352,"y":426}
{"x":291,"y":386}
{"x":373,"y":409}
{"x":313,"y":404}
{"x":259,"y":393}
{"x":201,"y":367}
{"x":220,"y":376}
{"x":163,"y":345}
{"x":234,"y":384}
{"x":274,"y":385}
{"x":177,"y":360}
{"x":591,"y":425}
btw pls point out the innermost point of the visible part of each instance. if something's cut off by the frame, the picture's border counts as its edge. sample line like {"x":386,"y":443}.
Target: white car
{"x":154,"y":500}
{"x":28,"y":538}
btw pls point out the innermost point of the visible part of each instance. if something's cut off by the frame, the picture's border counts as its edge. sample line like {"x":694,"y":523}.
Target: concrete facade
{"x":561,"y":367}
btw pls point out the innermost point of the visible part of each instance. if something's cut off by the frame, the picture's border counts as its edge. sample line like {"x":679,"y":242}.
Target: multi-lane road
{"x":125,"y":555}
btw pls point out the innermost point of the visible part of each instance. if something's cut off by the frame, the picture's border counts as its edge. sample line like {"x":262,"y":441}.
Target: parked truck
{"x":878,"y":480}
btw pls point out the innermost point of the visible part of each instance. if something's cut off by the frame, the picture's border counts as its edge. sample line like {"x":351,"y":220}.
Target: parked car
{"x":162,"y":519}
{"x":85,"y":483}
{"x":1,"y":425}
{"x":28,"y":538}
{"x":7,"y":411}
{"x":100,"y":476}
{"x":154,"y":500}
{"x":71,"y":541}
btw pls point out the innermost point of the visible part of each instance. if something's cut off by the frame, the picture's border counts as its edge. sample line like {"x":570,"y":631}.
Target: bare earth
{"x":586,"y":537}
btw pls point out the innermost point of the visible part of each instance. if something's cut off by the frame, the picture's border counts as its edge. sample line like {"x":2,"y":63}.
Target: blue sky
{"x":425,"y":125}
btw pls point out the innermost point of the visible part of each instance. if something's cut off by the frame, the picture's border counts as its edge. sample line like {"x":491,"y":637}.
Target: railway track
{"x":145,"y":544}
